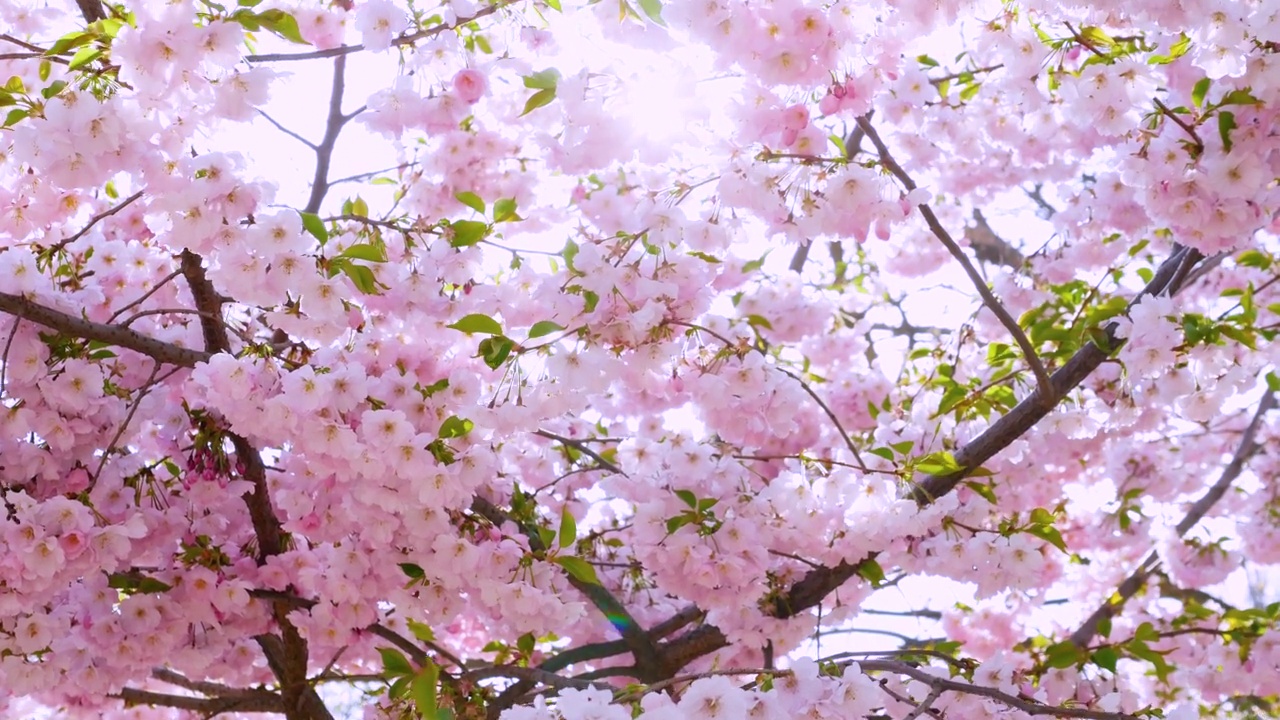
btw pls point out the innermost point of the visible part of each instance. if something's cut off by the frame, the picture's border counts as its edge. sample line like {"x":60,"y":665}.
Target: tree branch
{"x":1045,"y":390}
{"x":61,"y":322}
{"x":333,"y":126}
{"x":95,"y":219}
{"x":1138,"y":578}
{"x":398,"y":42}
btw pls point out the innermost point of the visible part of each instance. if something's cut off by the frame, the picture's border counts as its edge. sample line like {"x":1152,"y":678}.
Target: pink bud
{"x":829,"y":105}
{"x":470,"y":85}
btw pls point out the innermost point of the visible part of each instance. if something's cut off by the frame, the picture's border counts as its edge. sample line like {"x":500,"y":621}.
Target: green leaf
{"x":394,"y":663}
{"x":68,"y":41}
{"x":1254,"y":259}
{"x":504,"y":210}
{"x":433,"y":388}
{"x":1226,"y":123}
{"x":314,"y":225}
{"x":136,"y":583}
{"x":471,"y":200}
{"x":110,"y":26}
{"x":569,"y":253}
{"x":1096,"y":36}
{"x":14,"y":85}
{"x":413,"y":571}
{"x":45,"y":68}
{"x":526,"y":644}
{"x":1105,"y":658}
{"x":1199,"y":92}
{"x":544,"y":80}
{"x":882,"y":452}
{"x":467,"y":232}
{"x":871,"y":571}
{"x":423,"y":690}
{"x":282,"y":23}
{"x":1239,"y":97}
{"x":1063,"y":655}
{"x":754,"y":265}
{"x":54,"y":88}
{"x":422,"y":631}
{"x":938,"y":463}
{"x":539,"y":99}
{"x":14,"y":116}
{"x":455,"y":427}
{"x":578,"y":568}
{"x":1177,"y":50}
{"x":362,"y":277}
{"x":984,"y":490}
{"x":568,"y":530}
{"x":688,"y":498}
{"x":84,"y":56}
{"x":926,"y":61}
{"x":477,"y":323}
{"x":1049,"y":534}
{"x":554,"y":5}
{"x":839,"y":143}
{"x":365,"y":251}
{"x":653,"y":8}
{"x":495,"y":350}
{"x":544,"y":327}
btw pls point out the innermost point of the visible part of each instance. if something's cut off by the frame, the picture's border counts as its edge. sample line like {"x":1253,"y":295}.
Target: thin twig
{"x":286,"y":130}
{"x":848,"y":441}
{"x":128,"y":418}
{"x":145,"y":295}
{"x":398,"y":42}
{"x":58,"y":246}
{"x":582,"y":448}
{"x":1047,"y":396}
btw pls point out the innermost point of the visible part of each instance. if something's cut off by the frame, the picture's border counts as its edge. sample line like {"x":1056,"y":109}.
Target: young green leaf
{"x":476,"y":323}
{"x":544,"y":327}
{"x":578,"y":568}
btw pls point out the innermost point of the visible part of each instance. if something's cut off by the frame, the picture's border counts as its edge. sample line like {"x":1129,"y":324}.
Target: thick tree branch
{"x":259,"y":701}
{"x":61,"y":322}
{"x":818,"y":583}
{"x":333,"y":126}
